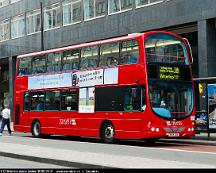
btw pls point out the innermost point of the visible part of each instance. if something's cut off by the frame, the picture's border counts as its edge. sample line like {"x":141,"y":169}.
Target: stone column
{"x":207,"y":48}
{"x":12,"y":69}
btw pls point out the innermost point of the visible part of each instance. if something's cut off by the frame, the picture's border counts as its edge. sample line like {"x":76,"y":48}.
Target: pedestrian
{"x":5,"y":119}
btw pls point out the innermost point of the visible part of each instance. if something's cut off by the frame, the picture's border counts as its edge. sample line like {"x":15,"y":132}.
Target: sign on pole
{"x":212,"y":105}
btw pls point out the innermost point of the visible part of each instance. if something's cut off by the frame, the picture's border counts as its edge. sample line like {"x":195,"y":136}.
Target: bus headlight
{"x":152,"y":129}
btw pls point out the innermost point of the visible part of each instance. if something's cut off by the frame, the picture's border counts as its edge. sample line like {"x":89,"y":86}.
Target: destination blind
{"x":169,"y":72}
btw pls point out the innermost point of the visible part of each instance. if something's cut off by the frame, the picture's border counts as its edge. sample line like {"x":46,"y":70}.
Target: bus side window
{"x":109,"y":99}
{"x":132,"y":101}
{"x":37,"y":101}
{"x":143,"y":98}
{"x":69,"y":100}
{"x":54,"y":62}
{"x":24,"y":66}
{"x":52,"y":100}
{"x":26,"y":101}
{"x":39,"y":65}
{"x":70,"y":60}
{"x":109,"y":54}
{"x":129,"y":52}
{"x":89,"y":57}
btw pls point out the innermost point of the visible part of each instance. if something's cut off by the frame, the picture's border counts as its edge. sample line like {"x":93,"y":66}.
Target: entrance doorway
{"x":4,"y":82}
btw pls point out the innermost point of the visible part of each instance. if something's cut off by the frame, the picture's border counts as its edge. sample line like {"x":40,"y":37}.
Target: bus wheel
{"x":107,"y":133}
{"x":36,"y":129}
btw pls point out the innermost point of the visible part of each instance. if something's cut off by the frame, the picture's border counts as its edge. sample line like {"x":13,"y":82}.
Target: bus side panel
{"x":131,"y":74}
{"x":127,"y":125}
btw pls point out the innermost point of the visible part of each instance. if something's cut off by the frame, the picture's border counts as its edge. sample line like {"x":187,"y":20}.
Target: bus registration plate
{"x":173,"y":134}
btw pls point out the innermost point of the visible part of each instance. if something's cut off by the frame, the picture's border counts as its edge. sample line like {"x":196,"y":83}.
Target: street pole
{"x":42,"y":26}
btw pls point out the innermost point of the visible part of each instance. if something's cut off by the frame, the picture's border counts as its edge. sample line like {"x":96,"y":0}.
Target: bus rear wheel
{"x":107,"y":133}
{"x":36,"y":129}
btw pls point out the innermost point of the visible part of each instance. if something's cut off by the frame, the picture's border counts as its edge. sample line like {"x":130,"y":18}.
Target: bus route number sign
{"x":169,"y":73}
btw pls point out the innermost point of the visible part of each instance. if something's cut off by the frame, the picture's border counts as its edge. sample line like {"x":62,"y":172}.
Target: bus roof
{"x":76,"y":46}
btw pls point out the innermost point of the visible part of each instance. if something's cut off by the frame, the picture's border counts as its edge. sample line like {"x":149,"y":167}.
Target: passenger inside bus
{"x":112,"y":61}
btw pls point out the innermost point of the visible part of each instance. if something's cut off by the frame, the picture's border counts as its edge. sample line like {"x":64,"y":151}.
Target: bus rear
{"x":169,"y":87}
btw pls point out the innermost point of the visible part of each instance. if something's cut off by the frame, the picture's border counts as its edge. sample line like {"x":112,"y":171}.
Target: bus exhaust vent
{"x":17,"y":114}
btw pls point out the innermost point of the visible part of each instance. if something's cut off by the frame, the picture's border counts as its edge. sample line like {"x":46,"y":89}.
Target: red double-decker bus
{"x":132,"y":87}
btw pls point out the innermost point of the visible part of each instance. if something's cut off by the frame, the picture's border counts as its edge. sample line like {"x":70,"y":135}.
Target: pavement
{"x":89,"y":160}
{"x":200,"y":138}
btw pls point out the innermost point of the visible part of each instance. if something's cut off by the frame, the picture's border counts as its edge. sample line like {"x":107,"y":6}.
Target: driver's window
{"x":134,"y":99}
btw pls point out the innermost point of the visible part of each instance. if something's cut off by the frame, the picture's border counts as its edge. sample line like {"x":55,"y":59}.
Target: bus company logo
{"x":67,"y":121}
{"x":174,"y":123}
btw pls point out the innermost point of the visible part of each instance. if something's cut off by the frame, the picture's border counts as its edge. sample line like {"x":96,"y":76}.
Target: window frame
{"x":148,"y":4}
{"x":6,"y":2}
{"x":71,"y":3}
{"x":4,"y":33}
{"x":56,"y":7}
{"x":120,"y":8}
{"x":29,"y":16}
{"x":94,"y":15}
{"x":15,"y":19}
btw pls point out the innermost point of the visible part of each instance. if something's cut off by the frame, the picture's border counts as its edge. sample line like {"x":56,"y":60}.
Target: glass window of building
{"x":13,"y":1}
{"x":18,"y":26}
{"x":4,"y":30}
{"x":109,"y":54}
{"x":115,"y":6}
{"x":39,"y":65}
{"x":24,"y":66}
{"x":94,"y":8}
{"x":89,"y":57}
{"x":71,"y":59}
{"x":71,"y":12}
{"x":33,"y":20}
{"x":54,"y":62}
{"x":140,"y":3}
{"x":52,"y":17}
{"x":4,"y":3}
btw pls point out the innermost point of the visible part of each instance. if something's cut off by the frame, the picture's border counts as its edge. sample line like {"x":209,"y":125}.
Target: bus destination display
{"x":169,"y":73}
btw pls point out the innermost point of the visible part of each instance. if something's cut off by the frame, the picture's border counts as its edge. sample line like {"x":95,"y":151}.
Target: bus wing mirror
{"x":189,"y":47}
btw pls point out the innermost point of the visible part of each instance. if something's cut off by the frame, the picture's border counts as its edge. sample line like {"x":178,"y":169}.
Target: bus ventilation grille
{"x":174,"y":129}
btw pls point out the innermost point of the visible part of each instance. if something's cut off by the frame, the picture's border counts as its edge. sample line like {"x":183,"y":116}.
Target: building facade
{"x":33,"y":25}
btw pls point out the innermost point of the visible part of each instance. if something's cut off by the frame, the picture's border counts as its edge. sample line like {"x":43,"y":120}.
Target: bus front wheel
{"x":107,"y":133}
{"x":36,"y":129}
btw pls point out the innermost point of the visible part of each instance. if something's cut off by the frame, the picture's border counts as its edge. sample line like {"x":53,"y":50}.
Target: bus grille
{"x":174,"y":129}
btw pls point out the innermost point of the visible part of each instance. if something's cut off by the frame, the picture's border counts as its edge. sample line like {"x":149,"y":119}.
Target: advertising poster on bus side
{"x":212,"y":105}
{"x":86,"y":100}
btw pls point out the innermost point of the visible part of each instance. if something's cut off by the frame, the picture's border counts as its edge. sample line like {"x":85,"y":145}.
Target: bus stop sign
{"x":200,"y":88}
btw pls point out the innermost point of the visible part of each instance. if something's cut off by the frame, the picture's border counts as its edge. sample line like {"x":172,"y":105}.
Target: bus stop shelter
{"x":206,"y":90}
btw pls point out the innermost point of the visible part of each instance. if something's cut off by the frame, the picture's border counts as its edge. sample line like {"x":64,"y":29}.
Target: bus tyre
{"x":36,"y":129}
{"x":107,"y":133}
